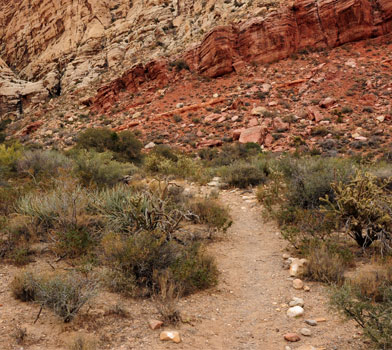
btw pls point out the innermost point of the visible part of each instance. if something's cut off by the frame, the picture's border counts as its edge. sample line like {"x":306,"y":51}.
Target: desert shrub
{"x":23,"y":287}
{"x":137,"y":263}
{"x":374,"y":318}
{"x":184,"y":167}
{"x":166,"y":152}
{"x":130,"y":211}
{"x":243,"y":174}
{"x":9,"y":155}
{"x":124,"y":145}
{"x":135,"y":260}
{"x":59,"y":207}
{"x":64,"y":295}
{"x":310,"y":179}
{"x":128,"y":147}
{"x":229,"y":154}
{"x":324,"y":265}
{"x":9,"y":195}
{"x":364,"y":208}
{"x":210,"y":212}
{"x":75,"y":241}
{"x":16,"y":233}
{"x":371,"y":283}
{"x":383,"y":175}
{"x":21,"y":256}
{"x":179,"y":65}
{"x":302,"y":226}
{"x":193,"y":270}
{"x":100,"y":168}
{"x":272,"y":193}
{"x":43,"y":162}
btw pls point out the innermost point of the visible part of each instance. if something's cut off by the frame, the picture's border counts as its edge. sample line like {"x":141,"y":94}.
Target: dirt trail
{"x":246,"y":311}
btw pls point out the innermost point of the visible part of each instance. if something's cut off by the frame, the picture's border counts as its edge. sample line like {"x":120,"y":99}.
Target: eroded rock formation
{"x":69,"y":44}
{"x":16,"y":94}
{"x":305,"y":24}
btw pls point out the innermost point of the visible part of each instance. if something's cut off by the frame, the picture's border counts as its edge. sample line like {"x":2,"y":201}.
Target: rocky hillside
{"x":126,"y":65}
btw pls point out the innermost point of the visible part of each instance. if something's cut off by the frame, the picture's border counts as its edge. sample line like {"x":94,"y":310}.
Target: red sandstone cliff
{"x":304,"y":24}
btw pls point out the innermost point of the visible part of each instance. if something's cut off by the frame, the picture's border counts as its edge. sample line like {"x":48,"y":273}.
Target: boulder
{"x":254,"y":134}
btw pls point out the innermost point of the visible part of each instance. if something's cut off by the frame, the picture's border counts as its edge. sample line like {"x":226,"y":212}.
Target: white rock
{"x":295,"y":311}
{"x":306,"y":332}
{"x":296,"y":302}
{"x":150,"y":145}
{"x":380,"y":118}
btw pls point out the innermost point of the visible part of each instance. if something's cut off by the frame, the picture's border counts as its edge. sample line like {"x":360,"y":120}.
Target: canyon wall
{"x":305,"y":24}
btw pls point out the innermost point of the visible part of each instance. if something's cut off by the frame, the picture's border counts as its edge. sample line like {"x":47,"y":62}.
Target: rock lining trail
{"x":248,"y":308}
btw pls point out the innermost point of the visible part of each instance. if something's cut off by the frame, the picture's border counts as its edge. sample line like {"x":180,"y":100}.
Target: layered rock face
{"x":304,"y":24}
{"x":16,"y":94}
{"x":65,"y":45}
{"x":69,"y":44}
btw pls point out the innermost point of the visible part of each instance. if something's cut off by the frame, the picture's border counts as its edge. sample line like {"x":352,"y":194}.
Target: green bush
{"x":182,"y":167}
{"x":9,"y":155}
{"x":194,"y":270}
{"x":302,"y":226}
{"x":23,"y":287}
{"x":124,"y":145}
{"x":135,"y":260}
{"x":310,"y":179}
{"x":211,"y":213}
{"x":74,"y":241}
{"x":179,"y":65}
{"x":138,"y":262}
{"x":374,"y":318}
{"x":165,"y":151}
{"x":100,"y":168}
{"x":242,"y":174}
{"x":229,"y":154}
